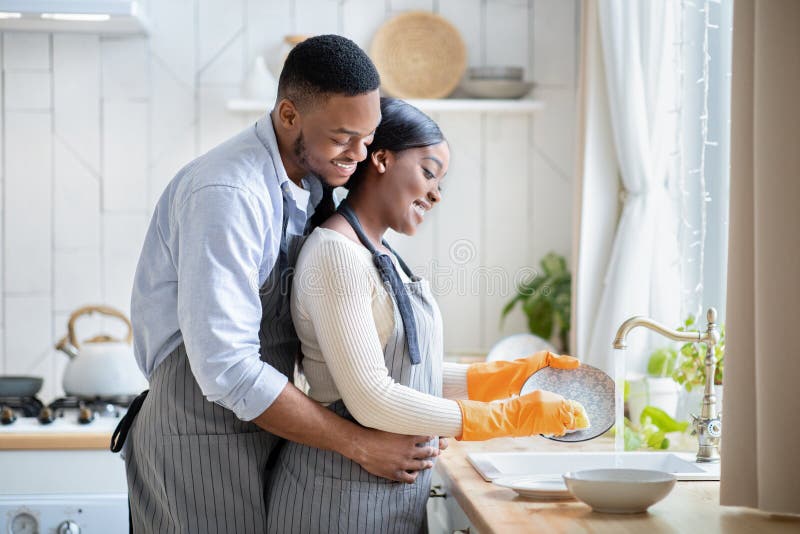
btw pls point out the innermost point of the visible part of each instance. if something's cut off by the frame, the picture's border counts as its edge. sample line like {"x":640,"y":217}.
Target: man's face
{"x":334,"y":136}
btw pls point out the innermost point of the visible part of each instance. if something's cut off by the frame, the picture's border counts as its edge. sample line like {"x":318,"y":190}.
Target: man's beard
{"x":302,"y":156}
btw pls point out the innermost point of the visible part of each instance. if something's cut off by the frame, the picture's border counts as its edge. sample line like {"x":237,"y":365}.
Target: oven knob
{"x":85,"y":416}
{"x":68,"y":527}
{"x":46,"y":416}
{"x":7,"y":416}
{"x":23,"y":523}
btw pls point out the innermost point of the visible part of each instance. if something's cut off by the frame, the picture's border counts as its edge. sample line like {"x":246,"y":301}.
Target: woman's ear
{"x":380,"y":158}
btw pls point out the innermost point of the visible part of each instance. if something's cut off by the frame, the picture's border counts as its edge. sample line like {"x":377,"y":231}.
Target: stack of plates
{"x":539,"y":487}
{"x":496,"y":82}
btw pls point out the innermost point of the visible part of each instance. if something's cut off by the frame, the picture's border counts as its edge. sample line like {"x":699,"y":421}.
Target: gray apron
{"x":192,"y":465}
{"x":318,"y":491}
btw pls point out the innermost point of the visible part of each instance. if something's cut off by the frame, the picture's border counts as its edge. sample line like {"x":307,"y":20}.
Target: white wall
{"x":93,"y":128}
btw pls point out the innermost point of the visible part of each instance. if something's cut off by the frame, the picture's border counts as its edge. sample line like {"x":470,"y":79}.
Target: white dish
{"x":619,"y":491}
{"x":496,"y":88}
{"x":543,"y":488}
{"x":517,"y":346}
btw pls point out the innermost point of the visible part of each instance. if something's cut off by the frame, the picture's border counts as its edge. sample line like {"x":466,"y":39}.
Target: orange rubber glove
{"x":538,"y":412}
{"x":499,"y":380}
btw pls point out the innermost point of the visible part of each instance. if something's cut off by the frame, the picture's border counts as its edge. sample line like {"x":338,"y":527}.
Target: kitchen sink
{"x":491,"y":465}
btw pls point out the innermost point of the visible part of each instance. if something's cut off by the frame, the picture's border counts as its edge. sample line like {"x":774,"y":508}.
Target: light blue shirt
{"x":211,"y":244}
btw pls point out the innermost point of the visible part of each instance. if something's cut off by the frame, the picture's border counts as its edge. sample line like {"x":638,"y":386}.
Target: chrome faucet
{"x":709,"y":425}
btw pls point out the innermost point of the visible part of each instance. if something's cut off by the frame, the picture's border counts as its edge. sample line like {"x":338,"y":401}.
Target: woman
{"x":371,"y":336}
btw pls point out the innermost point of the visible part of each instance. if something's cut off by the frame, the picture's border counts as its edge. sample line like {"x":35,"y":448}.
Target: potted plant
{"x":651,"y":431}
{"x":690,"y":372}
{"x":658,"y":388}
{"x":546,"y":299}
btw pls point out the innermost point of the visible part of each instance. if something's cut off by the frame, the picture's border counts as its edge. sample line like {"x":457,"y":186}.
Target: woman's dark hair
{"x":402,"y":127}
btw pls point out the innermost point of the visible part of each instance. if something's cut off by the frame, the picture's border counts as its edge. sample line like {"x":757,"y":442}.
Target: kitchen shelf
{"x":442,"y":105}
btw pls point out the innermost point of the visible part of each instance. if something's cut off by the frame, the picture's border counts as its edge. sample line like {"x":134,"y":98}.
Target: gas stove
{"x":27,"y":411}
{"x":51,"y":485}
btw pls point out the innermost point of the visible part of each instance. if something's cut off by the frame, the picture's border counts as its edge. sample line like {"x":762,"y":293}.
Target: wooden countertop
{"x":55,"y":441}
{"x":690,"y":507}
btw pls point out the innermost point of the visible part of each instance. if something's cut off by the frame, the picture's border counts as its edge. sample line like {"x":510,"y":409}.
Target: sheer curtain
{"x":760,"y":431}
{"x":642,"y":275}
{"x":654,"y":133}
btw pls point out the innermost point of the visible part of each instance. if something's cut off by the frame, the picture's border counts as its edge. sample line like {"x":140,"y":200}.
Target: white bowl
{"x":496,"y":88}
{"x":517,"y":346}
{"x":619,"y":491}
{"x":495,"y":72}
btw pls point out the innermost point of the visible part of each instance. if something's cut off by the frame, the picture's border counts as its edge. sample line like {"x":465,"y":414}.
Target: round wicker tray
{"x":419,"y":55}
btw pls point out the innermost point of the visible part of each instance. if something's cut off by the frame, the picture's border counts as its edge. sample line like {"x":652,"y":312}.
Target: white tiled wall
{"x":94,"y":127}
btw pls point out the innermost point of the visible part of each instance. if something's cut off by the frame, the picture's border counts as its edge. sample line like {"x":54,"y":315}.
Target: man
{"x":210,"y":308}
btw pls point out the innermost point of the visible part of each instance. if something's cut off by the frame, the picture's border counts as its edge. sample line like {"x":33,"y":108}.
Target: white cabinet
{"x":445,"y":516}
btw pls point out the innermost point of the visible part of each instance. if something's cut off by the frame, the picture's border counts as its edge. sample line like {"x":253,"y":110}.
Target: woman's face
{"x":410,"y":185}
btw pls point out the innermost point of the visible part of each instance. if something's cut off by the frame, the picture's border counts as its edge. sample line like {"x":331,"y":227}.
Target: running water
{"x":619,"y":404}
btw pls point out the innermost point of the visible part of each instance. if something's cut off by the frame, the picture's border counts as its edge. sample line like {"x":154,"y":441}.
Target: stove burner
{"x":27,"y":406}
{"x":7,"y":416}
{"x":86,"y":416}
{"x":46,"y":416}
{"x":101,"y":406}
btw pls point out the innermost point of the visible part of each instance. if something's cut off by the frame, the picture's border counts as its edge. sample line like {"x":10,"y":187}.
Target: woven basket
{"x":419,"y":55}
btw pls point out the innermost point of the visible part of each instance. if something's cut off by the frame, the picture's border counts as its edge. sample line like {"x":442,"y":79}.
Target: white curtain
{"x":642,"y":275}
{"x":760,"y":434}
{"x":596,"y":194}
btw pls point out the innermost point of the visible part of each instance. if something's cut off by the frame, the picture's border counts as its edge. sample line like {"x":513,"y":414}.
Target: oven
{"x":59,"y":476}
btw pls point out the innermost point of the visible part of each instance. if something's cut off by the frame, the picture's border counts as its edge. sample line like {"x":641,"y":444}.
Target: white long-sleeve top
{"x":344,"y":317}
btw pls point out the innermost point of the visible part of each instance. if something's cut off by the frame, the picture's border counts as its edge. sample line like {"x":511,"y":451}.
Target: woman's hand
{"x":392,"y":456}
{"x":443,"y":443}
{"x":538,"y":412}
{"x":501,"y":379}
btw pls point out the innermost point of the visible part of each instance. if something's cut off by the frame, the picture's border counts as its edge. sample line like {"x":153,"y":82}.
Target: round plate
{"x":419,"y":55}
{"x":517,"y":346}
{"x":543,"y":488}
{"x":588,"y":385}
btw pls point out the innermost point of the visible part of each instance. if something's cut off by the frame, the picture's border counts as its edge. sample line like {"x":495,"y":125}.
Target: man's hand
{"x":393,"y":456}
{"x":295,"y":417}
{"x":443,"y":443}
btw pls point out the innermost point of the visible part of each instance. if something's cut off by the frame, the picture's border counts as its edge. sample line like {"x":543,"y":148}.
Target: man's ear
{"x":381,"y":158}
{"x":288,"y":115}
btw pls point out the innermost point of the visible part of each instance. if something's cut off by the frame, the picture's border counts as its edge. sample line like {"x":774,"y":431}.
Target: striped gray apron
{"x":317,"y":491}
{"x":192,"y":465}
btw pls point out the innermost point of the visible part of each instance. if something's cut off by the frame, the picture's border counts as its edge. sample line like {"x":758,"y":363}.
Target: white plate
{"x":540,"y":487}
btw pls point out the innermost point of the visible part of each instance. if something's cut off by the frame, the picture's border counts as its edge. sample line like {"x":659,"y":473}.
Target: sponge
{"x":581,"y":418}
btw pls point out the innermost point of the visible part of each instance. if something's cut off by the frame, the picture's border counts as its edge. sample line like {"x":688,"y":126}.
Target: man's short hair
{"x":325,"y":65}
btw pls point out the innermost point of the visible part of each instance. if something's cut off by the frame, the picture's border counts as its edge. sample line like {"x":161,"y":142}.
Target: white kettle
{"x":103,"y":366}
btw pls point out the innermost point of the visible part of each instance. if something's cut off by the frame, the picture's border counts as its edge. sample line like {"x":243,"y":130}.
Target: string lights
{"x":694,"y":193}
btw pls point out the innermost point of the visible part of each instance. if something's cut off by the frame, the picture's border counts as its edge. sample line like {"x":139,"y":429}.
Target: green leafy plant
{"x":651,"y":432}
{"x":691,"y":369}
{"x":662,"y":362}
{"x":546,"y":300}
